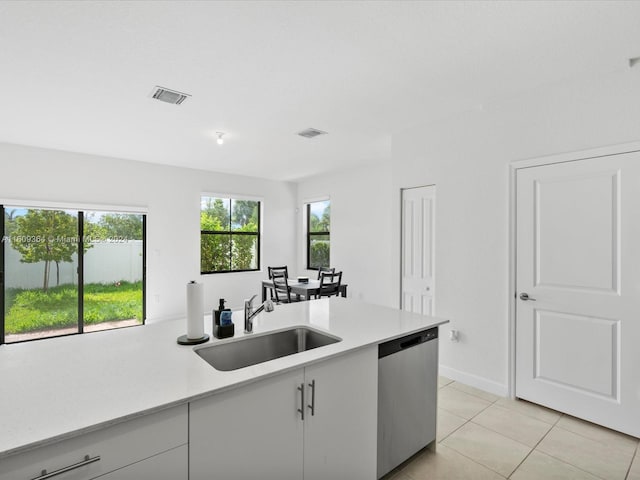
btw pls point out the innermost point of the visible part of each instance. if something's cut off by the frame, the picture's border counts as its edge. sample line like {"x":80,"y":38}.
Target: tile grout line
{"x":560,"y":459}
{"x":474,"y":395}
{"x":554,"y":424}
{"x":536,"y":446}
{"x":635,"y":455}
{"x":465,"y":423}
{"x":471,"y":459}
{"x":593,"y":439}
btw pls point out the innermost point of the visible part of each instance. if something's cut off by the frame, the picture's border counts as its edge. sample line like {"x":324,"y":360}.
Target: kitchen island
{"x":62,"y":389}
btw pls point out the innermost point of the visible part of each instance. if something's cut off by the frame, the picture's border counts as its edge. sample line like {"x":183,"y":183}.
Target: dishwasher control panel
{"x":399,"y":344}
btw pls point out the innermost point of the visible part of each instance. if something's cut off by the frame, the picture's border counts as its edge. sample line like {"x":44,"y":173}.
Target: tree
{"x":215,"y":208}
{"x":244,"y":248}
{"x":244,"y":212}
{"x":9,"y":221}
{"x":322,"y":223}
{"x":123,"y":226}
{"x":214,"y":249}
{"x":320,"y":252}
{"x":46,"y":236}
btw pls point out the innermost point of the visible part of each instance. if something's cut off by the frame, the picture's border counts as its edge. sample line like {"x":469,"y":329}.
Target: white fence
{"x":103,"y":263}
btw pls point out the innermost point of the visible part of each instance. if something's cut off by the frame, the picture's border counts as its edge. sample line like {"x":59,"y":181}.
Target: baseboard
{"x":474,"y":381}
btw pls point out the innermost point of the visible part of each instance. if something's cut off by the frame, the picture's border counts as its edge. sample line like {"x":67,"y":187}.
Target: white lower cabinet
{"x":95,"y":454}
{"x":318,"y":422}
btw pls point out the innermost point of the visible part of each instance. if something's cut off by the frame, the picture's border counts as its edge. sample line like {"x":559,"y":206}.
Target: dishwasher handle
{"x":409,"y":341}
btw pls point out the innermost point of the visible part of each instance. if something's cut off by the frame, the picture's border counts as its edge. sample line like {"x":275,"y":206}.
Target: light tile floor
{"x":482,"y":436}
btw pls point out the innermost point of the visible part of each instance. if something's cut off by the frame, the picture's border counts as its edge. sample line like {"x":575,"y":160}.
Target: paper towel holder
{"x":196,"y":316}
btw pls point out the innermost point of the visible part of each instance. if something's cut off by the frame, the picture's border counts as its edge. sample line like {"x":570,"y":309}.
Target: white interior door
{"x":418,"y":221}
{"x":578,"y":260}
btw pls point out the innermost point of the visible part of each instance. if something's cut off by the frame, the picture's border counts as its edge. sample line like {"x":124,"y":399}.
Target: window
{"x":67,"y":271}
{"x":318,"y":234}
{"x":229,"y":235}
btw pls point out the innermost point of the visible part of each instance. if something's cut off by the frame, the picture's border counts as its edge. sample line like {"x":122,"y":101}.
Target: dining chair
{"x":281,"y":291}
{"x":271,"y":270}
{"x":329,"y":284}
{"x":325,"y":269}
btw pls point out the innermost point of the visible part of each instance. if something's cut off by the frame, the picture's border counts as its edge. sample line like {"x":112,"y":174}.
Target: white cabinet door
{"x":578,"y":281}
{"x":250,"y":432}
{"x":170,"y":465}
{"x":340,"y":435}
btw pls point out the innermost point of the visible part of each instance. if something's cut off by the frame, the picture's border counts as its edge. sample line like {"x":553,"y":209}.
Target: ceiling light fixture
{"x":220,"y":140}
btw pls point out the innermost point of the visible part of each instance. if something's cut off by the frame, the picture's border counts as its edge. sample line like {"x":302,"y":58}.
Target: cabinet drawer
{"x":116,"y":446}
{"x":170,"y":465}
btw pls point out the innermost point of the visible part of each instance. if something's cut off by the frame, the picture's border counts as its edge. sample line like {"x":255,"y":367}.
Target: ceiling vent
{"x":169,"y":96}
{"x":311,"y":132}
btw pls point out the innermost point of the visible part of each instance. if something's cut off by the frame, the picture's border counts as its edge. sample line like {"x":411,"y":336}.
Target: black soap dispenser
{"x":222,"y":331}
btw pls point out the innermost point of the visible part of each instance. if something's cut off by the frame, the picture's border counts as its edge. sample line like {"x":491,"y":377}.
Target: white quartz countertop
{"x":57,"y":388}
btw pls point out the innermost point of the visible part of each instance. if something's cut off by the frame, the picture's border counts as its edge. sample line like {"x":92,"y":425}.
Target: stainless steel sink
{"x":260,"y":348}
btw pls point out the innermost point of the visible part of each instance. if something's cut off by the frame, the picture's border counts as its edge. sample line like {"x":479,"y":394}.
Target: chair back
{"x":281,"y":291}
{"x":278,"y":269}
{"x":325,"y":269}
{"x":329,"y":284}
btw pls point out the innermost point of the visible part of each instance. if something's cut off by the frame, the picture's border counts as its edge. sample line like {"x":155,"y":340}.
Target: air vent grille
{"x":311,"y":133}
{"x":169,"y":96}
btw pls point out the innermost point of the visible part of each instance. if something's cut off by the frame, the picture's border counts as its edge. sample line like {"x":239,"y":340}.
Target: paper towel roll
{"x":195,"y":310}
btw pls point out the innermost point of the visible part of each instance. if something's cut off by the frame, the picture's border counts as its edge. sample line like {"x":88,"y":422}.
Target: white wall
{"x":171,"y":196}
{"x":361,"y":203}
{"x":468,"y":158}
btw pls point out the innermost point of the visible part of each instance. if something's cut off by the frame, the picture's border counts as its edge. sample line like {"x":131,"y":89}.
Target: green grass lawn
{"x":33,"y":310}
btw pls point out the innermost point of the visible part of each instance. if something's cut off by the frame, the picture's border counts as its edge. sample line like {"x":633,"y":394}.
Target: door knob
{"x":526,"y":297}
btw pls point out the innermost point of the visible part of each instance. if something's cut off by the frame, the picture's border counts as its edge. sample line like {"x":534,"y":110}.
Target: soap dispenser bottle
{"x":222,"y":325}
{"x":216,"y":313}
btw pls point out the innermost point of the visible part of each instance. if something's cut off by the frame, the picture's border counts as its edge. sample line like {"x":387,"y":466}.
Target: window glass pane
{"x":235,"y":244}
{"x":215,"y":252}
{"x":319,"y":251}
{"x":244,"y":216}
{"x":320,"y":216}
{"x":244,"y":252}
{"x":41,"y":293}
{"x":214,"y":214}
{"x":113,"y":270}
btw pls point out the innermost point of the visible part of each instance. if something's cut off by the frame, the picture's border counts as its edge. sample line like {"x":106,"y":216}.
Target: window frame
{"x":311,"y":234}
{"x":81,"y":209}
{"x":231,"y":233}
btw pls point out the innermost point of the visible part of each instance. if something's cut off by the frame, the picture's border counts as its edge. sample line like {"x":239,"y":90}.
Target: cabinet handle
{"x":87,"y":460}
{"x":313,"y":397}
{"x":301,"y":409}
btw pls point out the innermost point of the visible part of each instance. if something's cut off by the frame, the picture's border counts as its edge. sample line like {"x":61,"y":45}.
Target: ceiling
{"x":78,"y":76}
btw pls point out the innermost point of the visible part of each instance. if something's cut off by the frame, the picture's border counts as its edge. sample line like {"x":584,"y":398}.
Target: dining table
{"x":306,"y":289}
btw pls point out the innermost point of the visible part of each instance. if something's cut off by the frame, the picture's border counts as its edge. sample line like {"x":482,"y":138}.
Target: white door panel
{"x":418,"y":219}
{"x":578,"y":259}
{"x":577,"y":219}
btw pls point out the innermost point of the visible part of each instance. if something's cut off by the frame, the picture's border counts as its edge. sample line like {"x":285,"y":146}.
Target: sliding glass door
{"x":113,"y":270}
{"x":70,"y":271}
{"x":41,"y":262}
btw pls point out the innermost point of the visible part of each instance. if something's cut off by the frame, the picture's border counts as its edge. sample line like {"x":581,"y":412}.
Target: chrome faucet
{"x":249,"y":312}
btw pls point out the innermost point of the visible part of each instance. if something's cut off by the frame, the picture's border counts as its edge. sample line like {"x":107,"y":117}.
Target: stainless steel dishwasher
{"x":407,"y":397}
